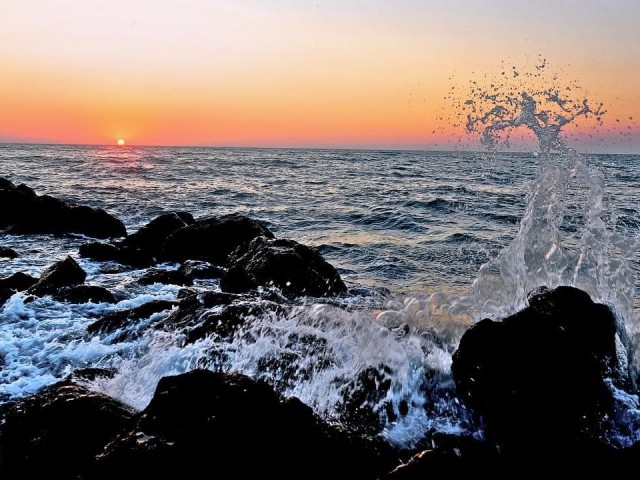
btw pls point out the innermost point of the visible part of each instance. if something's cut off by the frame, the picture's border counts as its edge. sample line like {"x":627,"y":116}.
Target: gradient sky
{"x":296,"y":73}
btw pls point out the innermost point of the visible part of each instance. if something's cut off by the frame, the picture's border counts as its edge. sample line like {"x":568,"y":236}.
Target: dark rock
{"x":195,"y":269}
{"x":64,"y":273}
{"x":84,"y":294}
{"x":213,"y":239}
{"x":6,"y":252}
{"x":169,"y":277}
{"x":30,"y":213}
{"x":18,"y":282}
{"x":5,"y":294}
{"x":539,"y":377}
{"x":234,"y":427}
{"x":124,"y":318}
{"x":456,"y":457}
{"x":149,"y":239}
{"x":58,"y":432}
{"x":116,"y":253}
{"x":294,"y":268}
{"x":90,"y":374}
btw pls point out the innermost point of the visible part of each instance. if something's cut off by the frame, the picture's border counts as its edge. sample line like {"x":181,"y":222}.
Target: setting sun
{"x":120,"y":141}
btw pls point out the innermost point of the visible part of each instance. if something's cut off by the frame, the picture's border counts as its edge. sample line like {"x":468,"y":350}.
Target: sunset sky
{"x":326,"y":73}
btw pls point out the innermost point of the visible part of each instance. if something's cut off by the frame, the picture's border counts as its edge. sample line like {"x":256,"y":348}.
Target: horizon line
{"x":282,"y":147}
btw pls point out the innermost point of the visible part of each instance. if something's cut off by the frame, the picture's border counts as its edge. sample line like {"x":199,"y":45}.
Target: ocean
{"x":434,"y":240}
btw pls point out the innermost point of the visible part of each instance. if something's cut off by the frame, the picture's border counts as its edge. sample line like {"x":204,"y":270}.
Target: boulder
{"x":234,"y":427}
{"x":58,"y":432}
{"x":294,"y":268}
{"x":84,"y":294}
{"x":539,"y":377}
{"x":64,"y":273}
{"x":126,"y":255}
{"x":6,"y":252}
{"x":18,"y":282}
{"x":32,"y":214}
{"x":149,"y":239}
{"x":213,"y":239}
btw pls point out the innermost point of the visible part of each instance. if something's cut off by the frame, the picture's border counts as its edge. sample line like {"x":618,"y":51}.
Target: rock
{"x":213,"y":239}
{"x":124,"y":318}
{"x":5,"y":294}
{"x":64,"y":273}
{"x":84,"y":294}
{"x":195,"y":269}
{"x":234,"y":427}
{"x":58,"y":432}
{"x":454,"y":457}
{"x":168,"y":277}
{"x":149,"y":239}
{"x":18,"y":282}
{"x":539,"y":377}
{"x":116,"y":253}
{"x":30,"y":213}
{"x":294,"y":268}
{"x":6,"y":252}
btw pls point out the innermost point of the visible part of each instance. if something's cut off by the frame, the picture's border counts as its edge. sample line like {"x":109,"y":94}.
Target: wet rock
{"x":125,"y":255}
{"x":6,"y":252}
{"x":213,"y":239}
{"x":18,"y":282}
{"x":84,"y":294}
{"x":58,"y":432}
{"x":539,"y":376}
{"x":195,"y":269}
{"x":452,"y":457}
{"x":294,"y":268}
{"x":64,"y":273}
{"x":234,"y":427}
{"x":168,"y":277}
{"x":30,"y":213}
{"x":126,"y":318}
{"x":149,"y":239}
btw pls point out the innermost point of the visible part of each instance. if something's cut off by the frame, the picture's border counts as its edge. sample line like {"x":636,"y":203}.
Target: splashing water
{"x":334,"y":358}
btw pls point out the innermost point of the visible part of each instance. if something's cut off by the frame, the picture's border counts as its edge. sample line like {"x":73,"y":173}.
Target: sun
{"x":120,"y":141}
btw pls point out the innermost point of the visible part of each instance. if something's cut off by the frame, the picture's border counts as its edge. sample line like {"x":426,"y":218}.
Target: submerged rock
{"x":213,"y":239}
{"x":198,"y":270}
{"x":539,"y":377}
{"x":168,"y":277}
{"x":6,"y":252}
{"x":30,"y":213}
{"x":127,"y":318}
{"x":18,"y":282}
{"x":234,"y":427}
{"x":294,"y":268}
{"x":105,"y":252}
{"x":57,"y":433}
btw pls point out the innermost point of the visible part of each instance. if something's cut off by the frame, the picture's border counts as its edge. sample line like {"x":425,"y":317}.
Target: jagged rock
{"x":213,"y":239}
{"x":64,"y":273}
{"x":168,"y":277}
{"x":30,"y":213}
{"x":539,"y":376}
{"x":6,"y":252}
{"x":124,"y":318}
{"x":234,"y":427}
{"x":294,"y":268}
{"x":58,"y":432}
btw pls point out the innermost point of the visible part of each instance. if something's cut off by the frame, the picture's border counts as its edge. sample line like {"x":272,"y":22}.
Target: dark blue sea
{"x":436,"y":240}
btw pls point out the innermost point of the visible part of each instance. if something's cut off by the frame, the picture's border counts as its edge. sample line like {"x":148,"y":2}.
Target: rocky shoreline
{"x":541,"y":387}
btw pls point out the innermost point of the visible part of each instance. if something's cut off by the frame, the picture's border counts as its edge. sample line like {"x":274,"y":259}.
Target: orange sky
{"x":295,"y":73}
